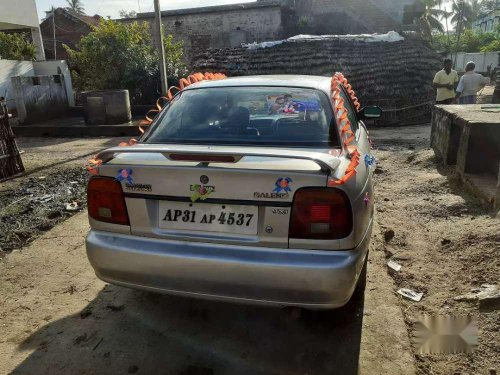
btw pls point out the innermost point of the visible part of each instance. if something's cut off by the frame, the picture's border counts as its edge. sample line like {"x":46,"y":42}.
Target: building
{"x":69,"y":27}
{"x":22,"y":16}
{"x":488,"y":22}
{"x":224,"y":25}
{"x":321,"y":17}
{"x":264,"y":20}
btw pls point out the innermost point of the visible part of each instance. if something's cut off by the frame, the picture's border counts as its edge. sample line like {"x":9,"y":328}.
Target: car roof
{"x":284,"y":80}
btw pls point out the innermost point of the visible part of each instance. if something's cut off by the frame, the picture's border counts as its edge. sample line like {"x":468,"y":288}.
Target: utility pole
{"x":161,"y":48}
{"x":54,"y":31}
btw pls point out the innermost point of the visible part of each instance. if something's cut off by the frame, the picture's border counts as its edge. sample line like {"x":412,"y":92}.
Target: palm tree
{"x":429,"y":20}
{"x":463,"y":14}
{"x":76,"y":5}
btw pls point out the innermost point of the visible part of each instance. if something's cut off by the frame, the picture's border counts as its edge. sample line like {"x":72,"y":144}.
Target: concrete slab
{"x":473,"y":113}
{"x":468,"y":136}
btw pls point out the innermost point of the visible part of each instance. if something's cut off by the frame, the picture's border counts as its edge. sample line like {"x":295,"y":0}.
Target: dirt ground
{"x":57,"y":318}
{"x":54,"y":177}
{"x":447,"y":242}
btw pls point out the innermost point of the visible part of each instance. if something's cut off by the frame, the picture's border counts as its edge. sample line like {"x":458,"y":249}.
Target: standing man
{"x":445,"y":81}
{"x":470,"y":84}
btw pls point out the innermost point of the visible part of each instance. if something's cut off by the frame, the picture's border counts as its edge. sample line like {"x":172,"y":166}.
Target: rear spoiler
{"x":327,"y":163}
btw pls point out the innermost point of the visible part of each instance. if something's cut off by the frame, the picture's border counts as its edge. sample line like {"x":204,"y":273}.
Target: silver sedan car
{"x":244,"y":189}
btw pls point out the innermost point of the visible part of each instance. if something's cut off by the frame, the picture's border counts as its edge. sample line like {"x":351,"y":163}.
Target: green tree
{"x":463,"y":14}
{"x":494,"y":44}
{"x":116,"y":55}
{"x":76,"y":5}
{"x":16,"y":47}
{"x":470,"y":41}
{"x":429,"y":20}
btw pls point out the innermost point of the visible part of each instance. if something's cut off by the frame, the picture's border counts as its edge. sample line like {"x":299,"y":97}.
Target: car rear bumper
{"x":283,"y":277}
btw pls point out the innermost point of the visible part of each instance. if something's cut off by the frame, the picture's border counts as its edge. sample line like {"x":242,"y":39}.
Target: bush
{"x":470,"y":41}
{"x":16,"y":47}
{"x":122,"y":56}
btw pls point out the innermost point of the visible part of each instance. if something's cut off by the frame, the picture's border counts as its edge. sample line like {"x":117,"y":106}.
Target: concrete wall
{"x":482,"y":60}
{"x":22,"y":15}
{"x":48,"y":68}
{"x":16,"y":13}
{"x":12,"y":68}
{"x":468,"y":136}
{"x":39,"y":98}
{"x":349,"y":16}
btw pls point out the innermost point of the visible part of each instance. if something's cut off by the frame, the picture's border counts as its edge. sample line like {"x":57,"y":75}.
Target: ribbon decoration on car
{"x":344,"y":125}
{"x":160,"y":103}
{"x":173,"y":90}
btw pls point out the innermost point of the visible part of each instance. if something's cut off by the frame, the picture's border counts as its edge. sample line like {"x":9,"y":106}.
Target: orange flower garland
{"x":344,"y":125}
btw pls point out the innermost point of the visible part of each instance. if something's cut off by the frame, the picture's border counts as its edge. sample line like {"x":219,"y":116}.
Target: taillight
{"x":320,"y":213}
{"x":105,"y":201}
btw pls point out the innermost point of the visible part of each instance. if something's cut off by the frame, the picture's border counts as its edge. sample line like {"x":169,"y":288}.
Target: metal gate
{"x":10,"y":159}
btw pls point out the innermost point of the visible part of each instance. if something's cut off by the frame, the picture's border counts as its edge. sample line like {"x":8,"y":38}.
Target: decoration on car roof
{"x":183,"y":83}
{"x":344,"y":125}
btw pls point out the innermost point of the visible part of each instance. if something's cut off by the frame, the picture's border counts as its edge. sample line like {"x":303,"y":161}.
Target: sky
{"x":112,"y":7}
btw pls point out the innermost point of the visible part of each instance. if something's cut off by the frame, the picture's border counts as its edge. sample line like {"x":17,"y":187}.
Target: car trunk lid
{"x":214,"y":194}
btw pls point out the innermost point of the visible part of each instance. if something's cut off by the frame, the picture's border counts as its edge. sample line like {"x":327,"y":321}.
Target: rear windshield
{"x":274,"y":116}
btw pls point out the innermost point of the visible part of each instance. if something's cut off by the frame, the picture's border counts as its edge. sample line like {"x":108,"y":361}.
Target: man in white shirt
{"x":470,"y":84}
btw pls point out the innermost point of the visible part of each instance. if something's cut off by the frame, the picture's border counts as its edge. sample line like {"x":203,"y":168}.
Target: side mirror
{"x":371,"y":112}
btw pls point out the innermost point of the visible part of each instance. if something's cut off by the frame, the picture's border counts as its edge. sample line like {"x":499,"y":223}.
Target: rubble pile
{"x":396,"y":75}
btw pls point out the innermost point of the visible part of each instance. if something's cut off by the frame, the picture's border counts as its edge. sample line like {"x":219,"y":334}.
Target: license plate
{"x":208,"y":217}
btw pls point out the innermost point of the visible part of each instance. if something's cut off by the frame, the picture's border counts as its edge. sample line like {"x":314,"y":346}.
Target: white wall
{"x":11,"y":68}
{"x":48,"y":68}
{"x":22,"y":14}
{"x":18,"y":13}
{"x":481,"y":59}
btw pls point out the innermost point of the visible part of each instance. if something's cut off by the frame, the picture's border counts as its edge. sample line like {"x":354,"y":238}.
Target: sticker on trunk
{"x":201,"y":191}
{"x":125,"y":174}
{"x":282,"y":187}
